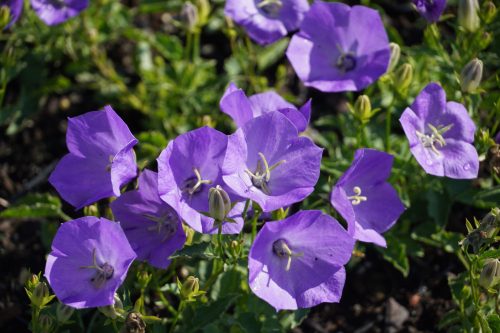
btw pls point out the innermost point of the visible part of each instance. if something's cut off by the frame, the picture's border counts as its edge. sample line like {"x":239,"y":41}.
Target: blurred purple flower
{"x":241,"y":108}
{"x":267,"y":21}
{"x":431,"y":10}
{"x":340,"y":48}
{"x":152,"y":227}
{"x":441,"y":135}
{"x":187,"y":169}
{"x":267,"y":162}
{"x":89,"y":260}
{"x":15,"y":9}
{"x":54,"y":12}
{"x":100,"y":159}
{"x":497,"y":138}
{"x":298,"y":262}
{"x":365,"y":199}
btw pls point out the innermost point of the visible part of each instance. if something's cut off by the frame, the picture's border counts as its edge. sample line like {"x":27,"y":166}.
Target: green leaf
{"x":35,"y":206}
{"x":395,"y":253}
{"x":490,"y":254}
{"x":209,"y":313}
{"x":494,"y":322}
{"x":202,"y":250}
{"x":293,"y":318}
{"x":451,"y":318}
{"x":271,"y":54}
{"x":248,"y":322}
{"x":439,"y":206}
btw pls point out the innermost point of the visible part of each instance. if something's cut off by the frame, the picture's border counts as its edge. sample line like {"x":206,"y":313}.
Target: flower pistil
{"x":436,"y":136}
{"x":262,"y":174}
{"x":282,"y":250}
{"x":104,"y":272}
{"x":357,"y":198}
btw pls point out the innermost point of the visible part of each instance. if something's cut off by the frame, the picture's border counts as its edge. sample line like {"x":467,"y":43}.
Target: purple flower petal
{"x":236,"y":104}
{"x":89,"y":260}
{"x":15,"y":8}
{"x":311,"y":272}
{"x":55,"y":12}
{"x":152,"y":227}
{"x":431,"y":10}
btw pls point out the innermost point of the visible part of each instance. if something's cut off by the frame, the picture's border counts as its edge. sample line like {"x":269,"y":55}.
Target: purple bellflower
{"x":365,"y":199}
{"x":89,"y":260}
{"x":100,"y":159}
{"x":241,"y":108}
{"x":299,"y":262}
{"x":431,"y":10}
{"x":53,"y":12}
{"x":153,"y":228}
{"x":269,"y":163}
{"x":340,"y":48}
{"x":187,"y":169}
{"x":497,"y":138}
{"x":267,"y":21}
{"x":15,"y":9}
{"x":441,"y":135}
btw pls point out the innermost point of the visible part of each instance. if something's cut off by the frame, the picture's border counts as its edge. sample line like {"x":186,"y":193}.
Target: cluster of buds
{"x":38,"y":292}
{"x":190,"y":289}
{"x":485,"y":231}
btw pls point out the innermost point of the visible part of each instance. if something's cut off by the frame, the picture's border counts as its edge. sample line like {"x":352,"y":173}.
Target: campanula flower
{"x":100,"y":159}
{"x":340,"y":48}
{"x":153,"y":228}
{"x":267,"y":162}
{"x":267,"y":21}
{"x":241,"y":108}
{"x":431,"y":10}
{"x":89,"y":260}
{"x":15,"y":8}
{"x":187,"y":169}
{"x":365,"y":199}
{"x":53,"y":12}
{"x":441,"y":135}
{"x":299,"y":262}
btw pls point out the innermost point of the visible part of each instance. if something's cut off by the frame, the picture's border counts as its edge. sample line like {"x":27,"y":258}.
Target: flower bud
{"x":63,"y":312}
{"x":189,"y":234}
{"x":403,"y":77}
{"x":395,"y":55}
{"x":40,"y":295}
{"x":490,"y":275}
{"x":219,"y":203}
{"x":45,"y":323}
{"x":189,"y":15}
{"x":33,"y":282}
{"x":190,"y":288}
{"x":468,"y":17}
{"x":143,"y":278}
{"x":134,"y":323}
{"x":112,"y":311}
{"x":489,"y":11}
{"x":203,"y":10}
{"x":4,"y":16}
{"x":471,"y":75}
{"x":363,"y":108}
{"x":485,"y":40}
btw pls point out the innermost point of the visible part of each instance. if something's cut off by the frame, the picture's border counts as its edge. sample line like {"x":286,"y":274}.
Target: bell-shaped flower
{"x":299,"y":262}
{"x":153,"y":228}
{"x":267,"y":21}
{"x":187,"y":169}
{"x":100,"y":159}
{"x":340,"y":48}
{"x":89,"y":260}
{"x":53,"y":12}
{"x":241,"y":108}
{"x":15,"y":7}
{"x":431,"y":10}
{"x":267,"y":162}
{"x":441,"y":135}
{"x":365,"y":199}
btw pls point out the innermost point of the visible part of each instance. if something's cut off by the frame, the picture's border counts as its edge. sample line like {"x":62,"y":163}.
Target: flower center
{"x":270,"y":7}
{"x":194,"y":184}
{"x":103,"y":273}
{"x":166,"y":224}
{"x":429,"y":140}
{"x":262,"y":174}
{"x":283,"y":251}
{"x":346,"y":62}
{"x":426,"y":3}
{"x":108,"y":166}
{"x":357,"y":198}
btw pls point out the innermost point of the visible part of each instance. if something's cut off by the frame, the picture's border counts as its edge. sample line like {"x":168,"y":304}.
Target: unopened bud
{"x":63,"y":312}
{"x":363,"y":108}
{"x":134,"y":323}
{"x":485,"y":40}
{"x":4,"y":16}
{"x":489,"y":11}
{"x":395,"y":55}
{"x":45,"y":323}
{"x":40,"y":295}
{"x":112,"y":311}
{"x":189,"y":15}
{"x":204,"y":11}
{"x":404,"y":77}
{"x":490,"y":275}
{"x":33,"y":281}
{"x":471,"y":75}
{"x":190,"y":288}
{"x":219,"y":203}
{"x":468,"y":17}
{"x":143,"y":278}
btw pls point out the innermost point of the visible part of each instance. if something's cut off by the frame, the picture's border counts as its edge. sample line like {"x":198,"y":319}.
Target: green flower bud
{"x":40,"y":295}
{"x":219,"y":203}
{"x":489,"y":11}
{"x":4,"y":16}
{"x":45,"y":323}
{"x":113,"y":311}
{"x":189,"y":15}
{"x":471,"y":76}
{"x":403,"y":77}
{"x":468,"y":17}
{"x":134,"y":323}
{"x":363,"y":109}
{"x":485,"y":40}
{"x":395,"y":55}
{"x":143,"y":278}
{"x":189,"y":234}
{"x":190,"y":288}
{"x":63,"y":312}
{"x":490,"y":275}
{"x":203,"y":10}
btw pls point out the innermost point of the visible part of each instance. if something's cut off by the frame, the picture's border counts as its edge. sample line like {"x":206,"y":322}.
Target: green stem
{"x":388,"y":118}
{"x":196,"y":45}
{"x":177,"y":316}
{"x":254,"y":224}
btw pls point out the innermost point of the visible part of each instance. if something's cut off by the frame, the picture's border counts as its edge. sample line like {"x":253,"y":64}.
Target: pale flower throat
{"x":282,"y":250}
{"x":194,"y":184}
{"x":262,"y":174}
{"x":103,"y":273}
{"x":435,"y":136}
